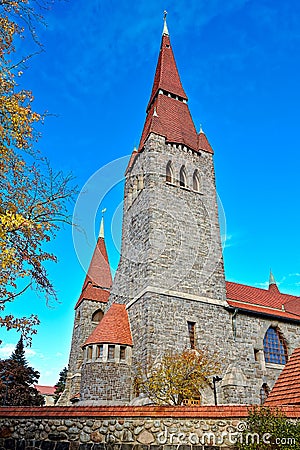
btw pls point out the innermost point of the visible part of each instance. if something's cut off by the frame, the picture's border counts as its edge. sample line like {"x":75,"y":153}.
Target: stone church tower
{"x":169,"y":291}
{"x":171,"y":274}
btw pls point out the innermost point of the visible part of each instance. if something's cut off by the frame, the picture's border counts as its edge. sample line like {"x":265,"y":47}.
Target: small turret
{"x":105,"y":375}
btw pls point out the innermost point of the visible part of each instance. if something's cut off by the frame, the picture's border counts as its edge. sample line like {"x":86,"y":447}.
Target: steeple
{"x":98,"y":279}
{"x":165,"y":30}
{"x":272,"y":283}
{"x":167,"y":112}
{"x":101,"y":232}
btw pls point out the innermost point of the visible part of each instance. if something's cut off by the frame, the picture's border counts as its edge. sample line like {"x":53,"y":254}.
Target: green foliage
{"x":18,"y":354}
{"x":177,"y":376}
{"x":17,"y":379}
{"x":33,"y":198}
{"x":269,"y":429}
{"x":61,"y":384}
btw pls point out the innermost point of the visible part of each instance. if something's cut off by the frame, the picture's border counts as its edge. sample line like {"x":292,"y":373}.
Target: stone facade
{"x":83,"y":327}
{"x":127,"y":428}
{"x":170,"y":236}
{"x":90,"y":429}
{"x":106,"y":383}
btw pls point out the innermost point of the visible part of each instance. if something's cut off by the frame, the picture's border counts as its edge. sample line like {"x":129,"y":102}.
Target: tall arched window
{"x":196,"y":181}
{"x":182,"y":177}
{"x":274,"y":347}
{"x":169,"y":173}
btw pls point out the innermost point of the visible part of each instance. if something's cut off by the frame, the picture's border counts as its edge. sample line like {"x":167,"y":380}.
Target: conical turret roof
{"x":114,"y":328}
{"x":98,"y":279}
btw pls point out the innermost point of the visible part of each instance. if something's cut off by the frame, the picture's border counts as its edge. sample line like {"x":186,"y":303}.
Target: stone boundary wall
{"x":123,"y":428}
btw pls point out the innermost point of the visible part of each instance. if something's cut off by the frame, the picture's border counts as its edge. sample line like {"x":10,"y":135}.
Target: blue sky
{"x":239,"y":64}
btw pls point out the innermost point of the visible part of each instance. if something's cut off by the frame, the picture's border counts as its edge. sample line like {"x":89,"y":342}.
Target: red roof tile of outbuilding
{"x":45,"y":390}
{"x":114,"y":328}
{"x":270,"y":301}
{"x":286,"y":390}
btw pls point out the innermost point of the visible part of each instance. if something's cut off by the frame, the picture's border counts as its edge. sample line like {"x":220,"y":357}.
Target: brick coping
{"x":213,"y":412}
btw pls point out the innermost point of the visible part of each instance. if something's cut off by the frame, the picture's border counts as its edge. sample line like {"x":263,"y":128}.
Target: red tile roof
{"x":270,"y":301}
{"x":98,"y":280}
{"x":203,"y":143}
{"x":286,"y":390}
{"x":173,"y":121}
{"x":166,"y":115}
{"x":192,"y":412}
{"x":166,"y":75}
{"x":45,"y":390}
{"x":114,"y":328}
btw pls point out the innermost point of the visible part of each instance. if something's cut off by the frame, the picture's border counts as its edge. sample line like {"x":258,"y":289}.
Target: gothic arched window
{"x":182,"y":177}
{"x":274,"y":347}
{"x":169,"y":173}
{"x":196,"y":181}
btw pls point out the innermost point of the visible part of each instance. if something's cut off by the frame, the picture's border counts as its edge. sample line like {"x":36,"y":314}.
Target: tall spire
{"x":272,"y":283}
{"x":101,"y":232}
{"x":168,"y":114}
{"x":98,"y":280}
{"x":165,"y":30}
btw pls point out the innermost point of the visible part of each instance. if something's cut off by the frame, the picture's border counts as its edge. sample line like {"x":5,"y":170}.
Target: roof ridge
{"x":280,"y":294}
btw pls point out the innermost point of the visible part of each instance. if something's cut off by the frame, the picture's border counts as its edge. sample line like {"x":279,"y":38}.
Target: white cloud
{"x":7,"y":349}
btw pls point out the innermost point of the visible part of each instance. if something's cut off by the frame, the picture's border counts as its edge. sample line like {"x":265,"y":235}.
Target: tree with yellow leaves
{"x":178,"y":376}
{"x":33,"y":199}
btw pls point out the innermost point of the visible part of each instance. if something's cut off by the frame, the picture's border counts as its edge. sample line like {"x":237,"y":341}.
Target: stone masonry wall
{"x":164,"y":318}
{"x":171,"y":236}
{"x":123,"y":428}
{"x":131,"y":428}
{"x":105,"y":383}
{"x":83,"y":327}
{"x":171,"y":272}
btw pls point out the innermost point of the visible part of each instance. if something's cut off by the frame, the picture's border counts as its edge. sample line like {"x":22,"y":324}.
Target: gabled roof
{"x":114,"y":328}
{"x":263,"y":301}
{"x":98,"y":279}
{"x":286,"y":390}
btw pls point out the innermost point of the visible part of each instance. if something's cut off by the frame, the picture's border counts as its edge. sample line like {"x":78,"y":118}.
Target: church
{"x":170,"y":290}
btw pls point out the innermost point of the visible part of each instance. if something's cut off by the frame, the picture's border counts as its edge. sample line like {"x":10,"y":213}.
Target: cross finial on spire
{"x":201,"y":129}
{"x":101,"y":233}
{"x":165,"y":30}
